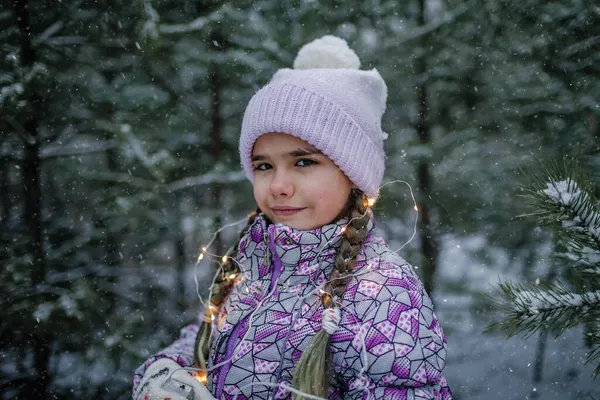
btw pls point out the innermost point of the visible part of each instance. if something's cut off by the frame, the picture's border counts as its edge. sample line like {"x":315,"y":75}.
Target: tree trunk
{"x":595,"y":133}
{"x":111,"y":243}
{"x":5,"y":202}
{"x":40,"y":342}
{"x":215,"y":150}
{"x":429,"y":248}
{"x":180,"y":258}
{"x":538,"y":366}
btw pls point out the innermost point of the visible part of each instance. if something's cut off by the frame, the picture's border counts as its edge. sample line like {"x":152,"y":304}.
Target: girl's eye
{"x":262,"y":167}
{"x":305,"y":162}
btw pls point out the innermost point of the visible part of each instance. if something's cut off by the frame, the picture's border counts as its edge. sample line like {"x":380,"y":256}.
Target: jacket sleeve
{"x":181,"y":351}
{"x":399,"y":351}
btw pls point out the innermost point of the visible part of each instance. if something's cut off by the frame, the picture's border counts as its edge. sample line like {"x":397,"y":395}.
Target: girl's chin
{"x":296,"y":222}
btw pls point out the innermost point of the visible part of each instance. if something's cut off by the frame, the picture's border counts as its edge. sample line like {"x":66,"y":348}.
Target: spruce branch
{"x":551,"y":307}
{"x":592,"y":341}
{"x":564,"y":204}
{"x":563,"y":200}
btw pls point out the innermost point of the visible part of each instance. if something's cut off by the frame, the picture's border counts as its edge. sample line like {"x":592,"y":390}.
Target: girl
{"x":314,"y":304}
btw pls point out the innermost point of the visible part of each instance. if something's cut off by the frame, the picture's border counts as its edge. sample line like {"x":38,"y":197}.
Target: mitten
{"x":165,"y":379}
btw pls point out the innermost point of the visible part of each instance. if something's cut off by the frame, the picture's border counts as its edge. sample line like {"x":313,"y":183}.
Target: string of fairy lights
{"x":211,"y":310}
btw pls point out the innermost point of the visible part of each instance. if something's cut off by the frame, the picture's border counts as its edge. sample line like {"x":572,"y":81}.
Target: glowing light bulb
{"x":200,"y":257}
{"x":232,"y":276}
{"x":224,"y":258}
{"x":204,"y":249}
{"x":416,"y":208}
{"x":371,"y":202}
{"x":343,"y":230}
{"x":201,"y":376}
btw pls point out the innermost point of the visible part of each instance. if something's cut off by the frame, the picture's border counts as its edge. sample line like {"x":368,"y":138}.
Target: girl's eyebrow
{"x":300,"y":152}
{"x":304,"y":152}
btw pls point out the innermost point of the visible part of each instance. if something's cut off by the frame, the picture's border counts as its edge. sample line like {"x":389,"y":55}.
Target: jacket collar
{"x":292,"y":246}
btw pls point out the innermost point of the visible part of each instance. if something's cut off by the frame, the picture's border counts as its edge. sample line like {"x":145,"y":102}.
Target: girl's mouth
{"x":286,"y":211}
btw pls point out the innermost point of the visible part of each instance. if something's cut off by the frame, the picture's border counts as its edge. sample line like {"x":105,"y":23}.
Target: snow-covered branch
{"x":195,"y":25}
{"x":580,"y":46}
{"x":200,"y":180}
{"x":534,"y":302}
{"x":115,"y":177}
{"x":206,"y":179}
{"x":585,"y":258}
{"x":583,"y":216}
{"x":555,"y":308}
{"x":152,"y":19}
{"x":148,"y":160}
{"x":424,"y":30}
{"x":76,"y":149}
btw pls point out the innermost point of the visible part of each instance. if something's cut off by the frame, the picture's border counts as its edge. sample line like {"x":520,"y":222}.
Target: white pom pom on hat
{"x":326,"y":52}
{"x":327,"y":101}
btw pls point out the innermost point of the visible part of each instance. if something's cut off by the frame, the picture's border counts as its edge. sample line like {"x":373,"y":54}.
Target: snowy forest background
{"x":119,"y":123}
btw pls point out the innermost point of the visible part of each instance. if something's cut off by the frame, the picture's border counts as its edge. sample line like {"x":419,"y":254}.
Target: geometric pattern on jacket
{"x":389,"y":344}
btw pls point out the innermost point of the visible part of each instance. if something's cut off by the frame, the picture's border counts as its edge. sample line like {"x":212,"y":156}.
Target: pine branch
{"x":579,"y":213}
{"x":569,"y":207}
{"x":552,"y":307}
{"x":592,"y":341}
{"x":586,"y":261}
{"x":562,"y":203}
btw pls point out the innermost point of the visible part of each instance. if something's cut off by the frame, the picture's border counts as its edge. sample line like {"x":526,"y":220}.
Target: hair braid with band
{"x":219,"y":292}
{"x":312,"y":373}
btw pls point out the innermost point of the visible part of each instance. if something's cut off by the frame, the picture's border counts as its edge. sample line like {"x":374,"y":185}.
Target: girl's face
{"x":295,"y":184}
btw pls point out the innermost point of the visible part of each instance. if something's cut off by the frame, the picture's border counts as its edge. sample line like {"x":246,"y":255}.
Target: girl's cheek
{"x":259,"y":187}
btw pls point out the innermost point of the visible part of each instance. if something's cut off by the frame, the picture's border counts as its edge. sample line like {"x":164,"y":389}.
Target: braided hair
{"x":312,"y":374}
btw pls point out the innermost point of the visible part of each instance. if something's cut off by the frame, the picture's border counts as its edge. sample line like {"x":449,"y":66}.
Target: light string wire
{"x":240,"y":389}
{"x":201,"y":256}
{"x":415,"y":207}
{"x":318,"y":289}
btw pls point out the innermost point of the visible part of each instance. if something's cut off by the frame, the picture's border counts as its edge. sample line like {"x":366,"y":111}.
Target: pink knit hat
{"x":328,"y":102}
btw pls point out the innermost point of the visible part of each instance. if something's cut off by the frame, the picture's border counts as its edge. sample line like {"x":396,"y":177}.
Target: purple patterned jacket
{"x":389,"y":344}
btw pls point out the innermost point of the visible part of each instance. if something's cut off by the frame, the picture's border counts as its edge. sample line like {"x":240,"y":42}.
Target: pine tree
{"x":563,"y":200}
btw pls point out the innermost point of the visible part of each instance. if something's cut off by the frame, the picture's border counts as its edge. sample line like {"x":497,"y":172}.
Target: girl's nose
{"x":282,"y":185}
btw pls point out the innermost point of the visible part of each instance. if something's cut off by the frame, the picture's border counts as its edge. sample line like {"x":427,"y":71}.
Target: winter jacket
{"x":389,"y":344}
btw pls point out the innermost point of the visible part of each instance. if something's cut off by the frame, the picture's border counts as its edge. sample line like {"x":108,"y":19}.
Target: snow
{"x":9,"y":91}
{"x":536,"y":301}
{"x":562,"y":192}
{"x":590,"y":256}
{"x":566,"y":193}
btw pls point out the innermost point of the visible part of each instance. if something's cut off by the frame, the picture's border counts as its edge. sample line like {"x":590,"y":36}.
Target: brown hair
{"x":312,"y":374}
